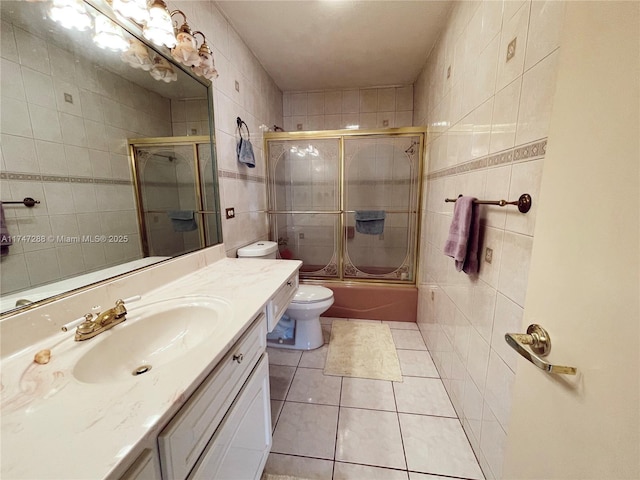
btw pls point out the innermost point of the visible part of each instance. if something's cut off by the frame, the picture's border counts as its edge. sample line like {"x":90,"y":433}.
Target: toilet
{"x":305,"y":309}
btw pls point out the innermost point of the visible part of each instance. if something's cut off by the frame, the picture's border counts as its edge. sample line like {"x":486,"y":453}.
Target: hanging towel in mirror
{"x":245,"y":152}
{"x":5,"y":238}
{"x":370,"y":222}
{"x":244,"y":149}
{"x":182,"y":220}
{"x":464,"y":235}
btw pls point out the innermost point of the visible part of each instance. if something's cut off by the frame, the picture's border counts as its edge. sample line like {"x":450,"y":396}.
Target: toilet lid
{"x":312,"y":294}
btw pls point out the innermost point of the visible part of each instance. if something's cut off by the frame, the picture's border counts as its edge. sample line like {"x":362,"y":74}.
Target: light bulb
{"x":70,"y":14}
{"x":159,"y":28}
{"x":136,"y":10}
{"x":109,"y":36}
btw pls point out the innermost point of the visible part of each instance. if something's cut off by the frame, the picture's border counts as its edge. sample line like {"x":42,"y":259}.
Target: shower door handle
{"x":539,"y":341}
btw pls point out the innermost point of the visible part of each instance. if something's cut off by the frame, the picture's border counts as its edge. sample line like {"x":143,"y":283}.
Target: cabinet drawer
{"x":240,"y":448}
{"x":184,"y":438}
{"x":280,"y":301}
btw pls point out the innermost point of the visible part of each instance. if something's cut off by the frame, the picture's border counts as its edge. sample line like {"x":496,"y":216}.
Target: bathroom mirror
{"x":70,"y":110}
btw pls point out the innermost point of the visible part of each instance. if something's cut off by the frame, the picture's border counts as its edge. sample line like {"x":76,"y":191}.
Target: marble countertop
{"x":54,"y":426}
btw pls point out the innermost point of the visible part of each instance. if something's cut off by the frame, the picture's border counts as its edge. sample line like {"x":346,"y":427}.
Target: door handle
{"x":539,"y":341}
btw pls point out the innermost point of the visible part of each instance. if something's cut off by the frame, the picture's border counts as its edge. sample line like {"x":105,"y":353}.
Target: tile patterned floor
{"x":341,"y":428}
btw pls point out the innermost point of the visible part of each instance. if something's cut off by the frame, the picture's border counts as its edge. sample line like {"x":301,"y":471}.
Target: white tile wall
{"x":335,"y":109}
{"x":487,"y":105}
{"x":258,"y":102}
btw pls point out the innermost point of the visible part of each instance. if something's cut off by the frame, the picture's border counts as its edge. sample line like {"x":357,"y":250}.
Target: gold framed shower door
{"x":340,"y":268}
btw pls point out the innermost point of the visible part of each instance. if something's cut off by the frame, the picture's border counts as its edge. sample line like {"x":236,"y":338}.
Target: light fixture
{"x":159,"y":28}
{"x":70,"y":14}
{"x":109,"y":35}
{"x":137,"y":55}
{"x":136,"y":10}
{"x":162,"y":70}
{"x":186,"y":49}
{"x":206,"y":68}
{"x":353,"y":127}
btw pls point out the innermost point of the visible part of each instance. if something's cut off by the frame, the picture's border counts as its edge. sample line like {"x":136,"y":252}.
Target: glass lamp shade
{"x":136,"y":10}
{"x":70,"y":14}
{"x":159,"y":28}
{"x":137,"y":55}
{"x":109,"y":36}
{"x":186,"y":51}
{"x":163,"y":71}
{"x":206,"y":67}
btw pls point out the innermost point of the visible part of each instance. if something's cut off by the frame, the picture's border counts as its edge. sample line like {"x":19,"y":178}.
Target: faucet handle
{"x":120,"y":308}
{"x":88,"y":325}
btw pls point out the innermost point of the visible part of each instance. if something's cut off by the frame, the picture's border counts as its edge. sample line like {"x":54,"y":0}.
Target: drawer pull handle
{"x":238,"y":358}
{"x":289,"y":283}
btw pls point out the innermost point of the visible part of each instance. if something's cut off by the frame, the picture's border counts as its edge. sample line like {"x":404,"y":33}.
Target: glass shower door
{"x":168,"y":199}
{"x":381,"y":206}
{"x":304,"y":203}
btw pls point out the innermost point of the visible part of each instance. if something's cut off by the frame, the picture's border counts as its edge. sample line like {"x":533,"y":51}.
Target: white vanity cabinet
{"x":280,"y":301}
{"x":224,"y":429}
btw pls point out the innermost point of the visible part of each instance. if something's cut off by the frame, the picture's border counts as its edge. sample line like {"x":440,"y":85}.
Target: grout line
{"x":404,"y":451}
{"x":335,"y":445}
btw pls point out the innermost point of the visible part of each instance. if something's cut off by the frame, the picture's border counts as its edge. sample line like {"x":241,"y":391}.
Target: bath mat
{"x":362,"y":350}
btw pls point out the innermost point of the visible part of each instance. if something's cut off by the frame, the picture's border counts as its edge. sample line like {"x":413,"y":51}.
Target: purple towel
{"x":464,"y":235}
{"x":5,"y":238}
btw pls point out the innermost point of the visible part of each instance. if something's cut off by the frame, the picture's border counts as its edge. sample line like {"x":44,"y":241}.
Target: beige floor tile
{"x":328,"y":320}
{"x":424,"y":476}
{"x":402,"y":325}
{"x":417,"y":363}
{"x":366,"y":393}
{"x":439,"y":446}
{"x":370,"y":437}
{"x":408,"y":339}
{"x":425,"y":396}
{"x":281,"y":356}
{"x":326,"y":333}
{"x":311,"y":385}
{"x":280,"y":377}
{"x":307,"y":430}
{"x":314,"y":358}
{"x":276,"y":407}
{"x":352,"y":471}
{"x":309,"y":468}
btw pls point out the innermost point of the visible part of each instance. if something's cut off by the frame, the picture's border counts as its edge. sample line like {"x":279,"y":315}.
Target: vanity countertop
{"x":55,"y":427}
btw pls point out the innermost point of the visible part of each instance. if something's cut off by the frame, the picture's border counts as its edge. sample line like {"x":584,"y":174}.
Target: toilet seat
{"x":308,"y":294}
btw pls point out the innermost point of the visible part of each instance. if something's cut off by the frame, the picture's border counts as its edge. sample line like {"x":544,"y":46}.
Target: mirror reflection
{"x":72,"y":103}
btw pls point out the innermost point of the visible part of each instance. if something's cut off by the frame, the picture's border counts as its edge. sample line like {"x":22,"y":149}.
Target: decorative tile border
{"x":34,"y":177}
{"x":241,"y":176}
{"x":530,"y":151}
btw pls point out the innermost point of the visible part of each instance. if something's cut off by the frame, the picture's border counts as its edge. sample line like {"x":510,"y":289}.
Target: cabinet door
{"x":144,"y":468}
{"x":240,"y":448}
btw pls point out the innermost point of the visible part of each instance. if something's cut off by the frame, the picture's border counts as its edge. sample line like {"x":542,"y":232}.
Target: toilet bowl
{"x":309,"y":303}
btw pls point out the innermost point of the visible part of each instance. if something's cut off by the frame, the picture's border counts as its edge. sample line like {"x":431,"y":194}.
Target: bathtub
{"x":8,"y":302}
{"x":373,"y":302}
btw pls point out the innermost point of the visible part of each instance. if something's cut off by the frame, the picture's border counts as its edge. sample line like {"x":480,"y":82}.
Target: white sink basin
{"x":152,"y":336}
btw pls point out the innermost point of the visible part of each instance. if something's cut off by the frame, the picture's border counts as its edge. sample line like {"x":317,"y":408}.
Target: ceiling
{"x":332,"y":44}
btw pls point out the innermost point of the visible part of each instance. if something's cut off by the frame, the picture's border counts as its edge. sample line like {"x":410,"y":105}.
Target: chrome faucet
{"x":91,"y":327}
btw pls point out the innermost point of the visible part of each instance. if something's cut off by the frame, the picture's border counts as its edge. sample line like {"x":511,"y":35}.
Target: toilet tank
{"x":259,"y":250}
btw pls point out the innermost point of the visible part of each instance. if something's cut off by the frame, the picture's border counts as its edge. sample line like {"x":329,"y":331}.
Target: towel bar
{"x":523,"y":203}
{"x":27,"y":202}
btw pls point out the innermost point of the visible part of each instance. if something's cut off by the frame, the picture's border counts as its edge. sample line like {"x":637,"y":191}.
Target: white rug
{"x":362,"y":350}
